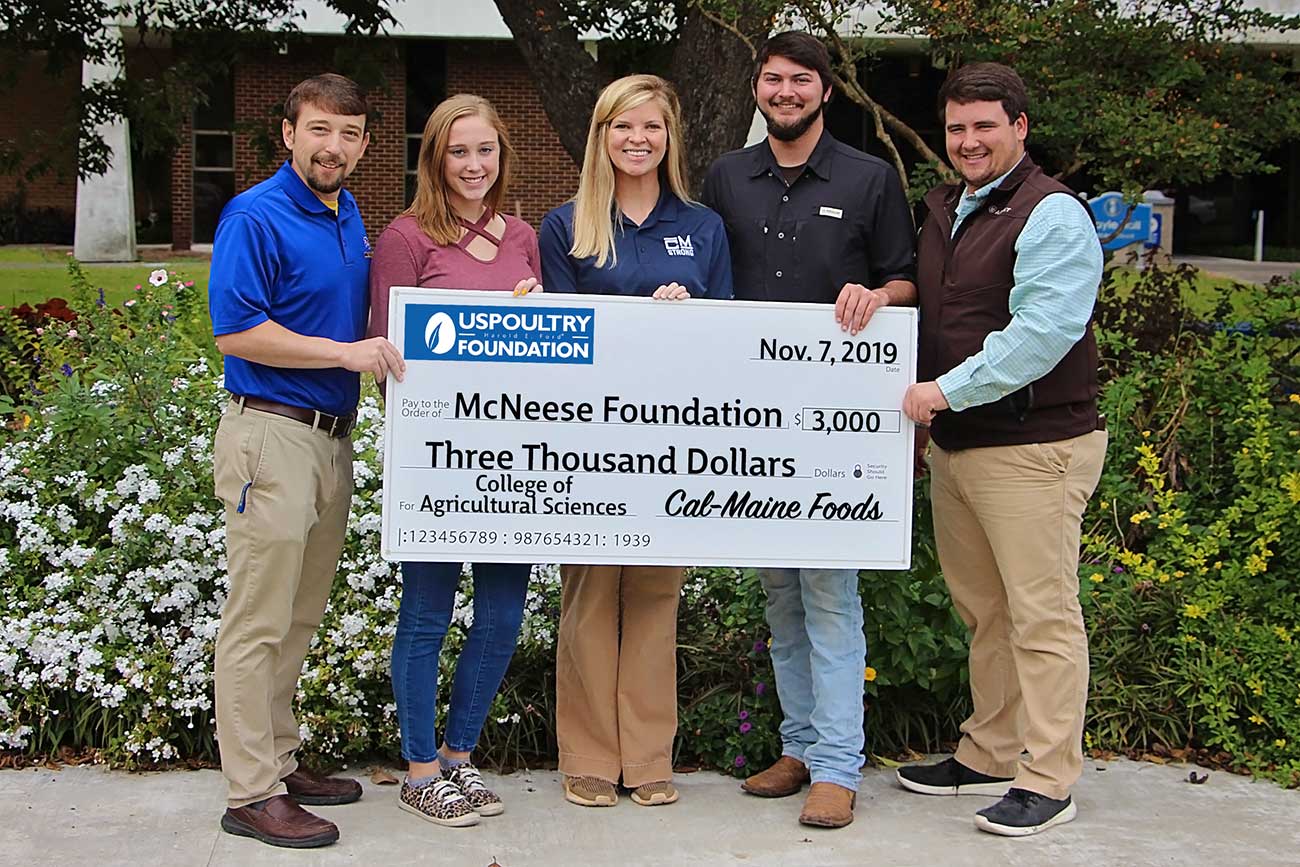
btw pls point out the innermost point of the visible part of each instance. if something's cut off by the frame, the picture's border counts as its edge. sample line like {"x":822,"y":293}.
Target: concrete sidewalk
{"x":1243,"y":270}
{"x":1129,"y":814}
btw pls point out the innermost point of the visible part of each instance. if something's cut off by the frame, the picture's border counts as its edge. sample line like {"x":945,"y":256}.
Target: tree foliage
{"x":1134,"y":94}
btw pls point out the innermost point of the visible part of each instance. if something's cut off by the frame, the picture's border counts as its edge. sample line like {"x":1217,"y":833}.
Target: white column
{"x":105,"y":230}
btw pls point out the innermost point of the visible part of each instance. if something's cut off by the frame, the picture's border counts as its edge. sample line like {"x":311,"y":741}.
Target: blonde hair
{"x":594,"y":206}
{"x":431,"y":207}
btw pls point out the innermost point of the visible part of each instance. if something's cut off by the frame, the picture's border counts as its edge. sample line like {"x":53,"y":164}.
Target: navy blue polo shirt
{"x":281,"y":254}
{"x":678,"y":243}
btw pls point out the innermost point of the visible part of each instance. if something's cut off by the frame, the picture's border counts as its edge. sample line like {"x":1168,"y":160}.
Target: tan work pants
{"x":1007,"y":523}
{"x":616,"y":672}
{"x":282,"y":550}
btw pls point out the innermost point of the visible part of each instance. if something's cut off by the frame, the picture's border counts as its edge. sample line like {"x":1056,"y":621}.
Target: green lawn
{"x":31,"y":274}
{"x":1204,"y":296}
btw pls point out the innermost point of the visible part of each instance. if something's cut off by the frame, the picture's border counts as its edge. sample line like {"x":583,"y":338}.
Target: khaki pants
{"x":282,"y":550}
{"x":616,"y":672}
{"x":1006,"y":523}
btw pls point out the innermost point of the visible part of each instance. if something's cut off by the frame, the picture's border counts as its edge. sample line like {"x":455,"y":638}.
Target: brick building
{"x":436,"y":50}
{"x":234,"y":142}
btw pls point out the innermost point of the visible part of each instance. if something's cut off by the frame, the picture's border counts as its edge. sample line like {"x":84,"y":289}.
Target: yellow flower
{"x":1294,"y":398}
{"x":1146,"y":434}
{"x":1179,"y":573}
{"x":1139,"y":517}
{"x":1163,"y":578}
{"x":1280,"y":742}
{"x":1257,"y":719}
{"x":1105,"y":504}
{"x":1098,"y":578}
{"x":1191,"y":639}
{"x":1282,"y":633}
{"x":24,"y":421}
{"x":869,"y":675}
{"x":1193,"y":611}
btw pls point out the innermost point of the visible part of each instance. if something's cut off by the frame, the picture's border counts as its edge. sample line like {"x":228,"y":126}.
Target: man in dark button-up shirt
{"x":811,"y":219}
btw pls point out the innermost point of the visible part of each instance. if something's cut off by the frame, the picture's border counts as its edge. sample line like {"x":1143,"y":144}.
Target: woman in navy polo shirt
{"x":454,"y":237}
{"x":631,"y":230}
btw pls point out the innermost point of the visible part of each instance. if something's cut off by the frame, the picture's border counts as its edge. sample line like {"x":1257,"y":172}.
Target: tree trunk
{"x":565,"y":74}
{"x":711,"y":68}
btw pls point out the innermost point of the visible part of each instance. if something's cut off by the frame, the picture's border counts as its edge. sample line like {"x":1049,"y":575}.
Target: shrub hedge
{"x":112,"y":568}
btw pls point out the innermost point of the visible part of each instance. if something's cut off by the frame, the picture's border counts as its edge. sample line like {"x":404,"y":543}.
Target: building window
{"x":213,"y":146}
{"x":426,"y":86}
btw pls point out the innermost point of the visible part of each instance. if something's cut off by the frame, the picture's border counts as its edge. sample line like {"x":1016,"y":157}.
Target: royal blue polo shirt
{"x":678,"y":243}
{"x":281,"y":254}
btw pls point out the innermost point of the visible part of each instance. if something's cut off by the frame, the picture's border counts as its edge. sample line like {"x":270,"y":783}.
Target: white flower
{"x":157,"y":278}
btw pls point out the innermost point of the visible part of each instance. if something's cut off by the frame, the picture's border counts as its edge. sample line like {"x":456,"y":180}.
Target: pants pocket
{"x":238,"y":454}
{"x":1056,"y":455}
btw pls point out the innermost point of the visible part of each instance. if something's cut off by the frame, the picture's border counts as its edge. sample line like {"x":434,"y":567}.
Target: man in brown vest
{"x":1008,"y":269}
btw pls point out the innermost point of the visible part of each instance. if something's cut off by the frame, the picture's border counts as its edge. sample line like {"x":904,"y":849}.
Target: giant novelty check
{"x":596,"y":429}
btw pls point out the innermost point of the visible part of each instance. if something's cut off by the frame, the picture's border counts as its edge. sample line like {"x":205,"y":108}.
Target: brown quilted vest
{"x":965,"y":288}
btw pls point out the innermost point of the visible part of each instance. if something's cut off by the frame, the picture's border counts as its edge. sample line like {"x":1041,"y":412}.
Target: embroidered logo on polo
{"x":679,"y":245}
{"x":462,"y":332}
{"x":998,"y":212}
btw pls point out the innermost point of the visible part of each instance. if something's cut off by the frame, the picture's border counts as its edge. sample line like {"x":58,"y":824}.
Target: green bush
{"x":112,"y":567}
{"x":1192,"y":545}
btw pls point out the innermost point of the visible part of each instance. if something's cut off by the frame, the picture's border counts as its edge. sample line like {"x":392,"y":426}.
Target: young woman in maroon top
{"x":454,"y":237}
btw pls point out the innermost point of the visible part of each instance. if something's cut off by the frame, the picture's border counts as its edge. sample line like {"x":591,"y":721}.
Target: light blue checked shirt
{"x":1057,"y":271}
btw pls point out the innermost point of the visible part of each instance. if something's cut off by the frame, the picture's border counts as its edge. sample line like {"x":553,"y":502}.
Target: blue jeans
{"x":428,"y":596}
{"x":819,"y":656}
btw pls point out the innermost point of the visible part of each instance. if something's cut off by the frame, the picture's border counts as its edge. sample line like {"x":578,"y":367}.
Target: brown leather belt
{"x":337,"y":426}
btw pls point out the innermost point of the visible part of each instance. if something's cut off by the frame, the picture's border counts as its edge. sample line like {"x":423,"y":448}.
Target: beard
{"x":321,"y":184}
{"x":790,"y":131}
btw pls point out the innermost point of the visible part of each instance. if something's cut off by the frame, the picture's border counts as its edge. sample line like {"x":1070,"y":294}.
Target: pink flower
{"x":130,"y":302}
{"x":157,"y":278}
{"x":72,"y":333}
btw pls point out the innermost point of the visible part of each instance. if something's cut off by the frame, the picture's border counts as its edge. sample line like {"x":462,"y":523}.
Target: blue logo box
{"x":526,"y":335}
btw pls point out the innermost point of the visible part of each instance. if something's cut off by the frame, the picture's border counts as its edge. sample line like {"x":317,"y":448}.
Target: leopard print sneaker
{"x":439,"y":802}
{"x":469,"y":782}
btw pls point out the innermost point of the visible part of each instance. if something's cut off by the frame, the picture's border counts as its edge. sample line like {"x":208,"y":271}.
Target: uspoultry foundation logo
{"x":454,"y":332}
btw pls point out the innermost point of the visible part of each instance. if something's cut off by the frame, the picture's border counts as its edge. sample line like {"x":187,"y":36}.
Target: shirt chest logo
{"x":679,"y":245}
{"x":827,"y":211}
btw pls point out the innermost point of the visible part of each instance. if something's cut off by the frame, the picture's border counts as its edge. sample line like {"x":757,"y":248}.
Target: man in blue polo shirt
{"x":288,"y":297}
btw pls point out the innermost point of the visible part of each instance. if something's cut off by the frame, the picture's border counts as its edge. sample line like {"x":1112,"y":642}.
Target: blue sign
{"x":458,"y":332}
{"x":1108,"y":211}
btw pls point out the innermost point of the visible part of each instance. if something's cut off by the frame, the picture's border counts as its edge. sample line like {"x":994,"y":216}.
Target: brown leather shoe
{"x":784,"y":778}
{"x":279,"y":821}
{"x":828,"y":806}
{"x":308,"y":787}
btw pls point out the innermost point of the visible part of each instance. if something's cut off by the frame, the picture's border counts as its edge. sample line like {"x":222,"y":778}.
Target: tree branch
{"x":847,"y":80}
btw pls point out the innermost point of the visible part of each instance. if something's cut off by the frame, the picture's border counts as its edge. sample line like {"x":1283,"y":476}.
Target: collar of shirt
{"x":969,"y":202}
{"x":302,"y":195}
{"x":664,"y":211}
{"x":819,"y":161}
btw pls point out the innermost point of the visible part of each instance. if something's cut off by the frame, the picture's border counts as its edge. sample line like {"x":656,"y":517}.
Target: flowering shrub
{"x":1192,"y":544}
{"x":112,"y":565}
